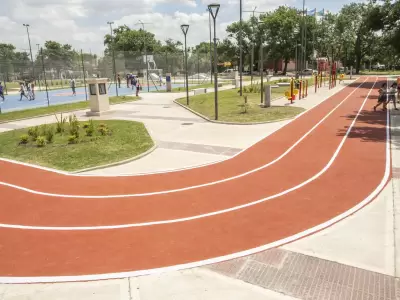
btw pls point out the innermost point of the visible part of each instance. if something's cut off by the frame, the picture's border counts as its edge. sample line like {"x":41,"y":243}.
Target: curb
{"x":118,"y":163}
{"x":231,"y":123}
{"x":59,"y":112}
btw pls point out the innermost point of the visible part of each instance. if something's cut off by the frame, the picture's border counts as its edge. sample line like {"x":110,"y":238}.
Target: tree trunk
{"x":358,"y":54}
{"x":285,"y":68}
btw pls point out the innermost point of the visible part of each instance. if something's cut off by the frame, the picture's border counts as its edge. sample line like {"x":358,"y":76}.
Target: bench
{"x":199,"y":91}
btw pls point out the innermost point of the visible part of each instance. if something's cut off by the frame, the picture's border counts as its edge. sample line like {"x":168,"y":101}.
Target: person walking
{"x":1,"y":93}
{"x":119,"y":81}
{"x":133,"y":81}
{"x":33,"y":89}
{"x":73,"y":86}
{"x":398,"y":89}
{"x":22,"y":91}
{"x":392,"y":95}
{"x":138,"y":87}
{"x":127,"y":80}
{"x":382,"y":97}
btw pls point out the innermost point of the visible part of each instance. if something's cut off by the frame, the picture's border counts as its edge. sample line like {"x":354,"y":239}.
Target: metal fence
{"x":158,"y":65}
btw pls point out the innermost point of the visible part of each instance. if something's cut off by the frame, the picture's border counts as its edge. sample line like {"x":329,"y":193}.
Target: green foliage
{"x":60,"y":125}
{"x":73,"y":139}
{"x":103,"y":131}
{"x":34,"y":132}
{"x":85,"y":125}
{"x":24,"y":139}
{"x":253,"y":88}
{"x":90,"y":128}
{"x":49,"y":134}
{"x":41,"y":141}
{"x":74,"y":125}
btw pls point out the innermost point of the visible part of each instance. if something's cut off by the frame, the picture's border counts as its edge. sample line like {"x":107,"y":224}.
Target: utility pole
{"x":145,"y":53}
{"x":30,"y":49}
{"x":252,"y":47}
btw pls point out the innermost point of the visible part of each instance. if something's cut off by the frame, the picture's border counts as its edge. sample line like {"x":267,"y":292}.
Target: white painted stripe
{"x":48,"y":279}
{"x":166,"y":171}
{"x":238,"y":207}
{"x":189,"y":187}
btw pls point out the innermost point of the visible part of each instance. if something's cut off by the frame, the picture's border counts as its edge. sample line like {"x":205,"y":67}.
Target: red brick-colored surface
{"x":356,"y":172}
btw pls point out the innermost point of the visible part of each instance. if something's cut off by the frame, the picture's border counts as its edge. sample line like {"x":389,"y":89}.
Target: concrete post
{"x":267,"y":95}
{"x":168,"y":82}
{"x":351,"y":72}
{"x":99,"y":102}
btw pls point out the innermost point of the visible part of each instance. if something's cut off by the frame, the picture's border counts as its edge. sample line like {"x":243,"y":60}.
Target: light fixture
{"x":213,"y":8}
{"x":185,"y":28}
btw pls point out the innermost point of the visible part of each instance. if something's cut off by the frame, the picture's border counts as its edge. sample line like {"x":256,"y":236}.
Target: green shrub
{"x":43,"y":129}
{"x":41,"y":141}
{"x":60,"y":126}
{"x":33,"y":132}
{"x":49,"y":134}
{"x":23,"y":139}
{"x":90,"y":128}
{"x":253,"y":88}
{"x":103,"y":130}
{"x":85,"y":125}
{"x":74,"y":126}
{"x":72,"y":139}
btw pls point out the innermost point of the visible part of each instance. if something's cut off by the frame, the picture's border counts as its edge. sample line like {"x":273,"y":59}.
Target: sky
{"x":83,"y":23}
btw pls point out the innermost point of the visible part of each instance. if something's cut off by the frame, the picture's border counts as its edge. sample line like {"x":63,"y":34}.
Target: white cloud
{"x":82,"y":23}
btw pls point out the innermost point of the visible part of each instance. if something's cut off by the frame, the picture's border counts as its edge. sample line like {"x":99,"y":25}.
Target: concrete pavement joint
{"x":118,"y":163}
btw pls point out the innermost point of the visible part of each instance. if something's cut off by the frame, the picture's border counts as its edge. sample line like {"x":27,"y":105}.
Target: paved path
{"x":328,"y":143}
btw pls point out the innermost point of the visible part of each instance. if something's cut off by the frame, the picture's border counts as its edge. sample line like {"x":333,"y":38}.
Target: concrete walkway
{"x":358,"y":258}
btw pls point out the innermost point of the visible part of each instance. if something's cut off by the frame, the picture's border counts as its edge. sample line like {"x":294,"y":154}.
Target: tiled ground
{"x":311,"y":278}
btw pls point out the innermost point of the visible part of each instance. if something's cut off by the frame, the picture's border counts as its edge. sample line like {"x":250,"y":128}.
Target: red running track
{"x":57,"y":236}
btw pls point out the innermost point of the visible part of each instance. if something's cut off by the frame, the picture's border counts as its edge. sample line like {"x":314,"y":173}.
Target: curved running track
{"x":318,"y":169}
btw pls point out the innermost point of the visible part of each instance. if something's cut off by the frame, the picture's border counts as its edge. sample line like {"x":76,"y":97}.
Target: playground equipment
{"x":292,"y":92}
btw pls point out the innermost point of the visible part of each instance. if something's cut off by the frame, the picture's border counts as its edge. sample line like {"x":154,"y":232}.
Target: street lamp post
{"x":145,"y":54}
{"x":185,"y":29}
{"x":209,"y":26}
{"x":240,"y":48}
{"x":113,"y":55}
{"x":213,"y":9}
{"x":38,"y":49}
{"x":30,"y":49}
{"x":44,"y":75}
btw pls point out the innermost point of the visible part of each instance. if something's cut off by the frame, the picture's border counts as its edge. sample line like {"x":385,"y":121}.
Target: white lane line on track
{"x":238,"y":207}
{"x":166,"y":171}
{"x":194,"y":186}
{"x":51,"y":279}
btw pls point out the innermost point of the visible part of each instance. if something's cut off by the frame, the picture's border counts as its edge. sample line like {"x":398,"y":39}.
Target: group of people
{"x":387,"y":95}
{"x":27,"y":90}
{"x":134,"y":82}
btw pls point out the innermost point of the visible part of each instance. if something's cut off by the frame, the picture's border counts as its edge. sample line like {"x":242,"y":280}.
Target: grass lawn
{"x":34,"y":112}
{"x":127,"y":139}
{"x":232,"y":108}
{"x":191,"y":87}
